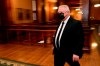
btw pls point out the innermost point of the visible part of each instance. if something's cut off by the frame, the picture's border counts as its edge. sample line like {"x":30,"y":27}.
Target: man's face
{"x":62,"y":12}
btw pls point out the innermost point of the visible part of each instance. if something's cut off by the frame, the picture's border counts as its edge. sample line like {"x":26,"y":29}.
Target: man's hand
{"x":75,"y":57}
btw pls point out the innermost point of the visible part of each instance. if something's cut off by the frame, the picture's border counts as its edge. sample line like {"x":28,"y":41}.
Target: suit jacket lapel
{"x":67,"y":26}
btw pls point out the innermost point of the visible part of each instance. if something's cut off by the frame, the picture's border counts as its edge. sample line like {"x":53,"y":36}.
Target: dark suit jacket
{"x":72,"y":39}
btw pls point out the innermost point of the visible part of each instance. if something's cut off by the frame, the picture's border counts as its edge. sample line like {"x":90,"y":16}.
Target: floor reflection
{"x":92,"y":59}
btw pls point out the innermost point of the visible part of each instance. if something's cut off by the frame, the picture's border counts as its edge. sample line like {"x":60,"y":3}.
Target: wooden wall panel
{"x":4,"y":21}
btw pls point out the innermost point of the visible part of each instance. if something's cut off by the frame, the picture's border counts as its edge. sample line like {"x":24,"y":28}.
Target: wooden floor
{"x":43,"y":55}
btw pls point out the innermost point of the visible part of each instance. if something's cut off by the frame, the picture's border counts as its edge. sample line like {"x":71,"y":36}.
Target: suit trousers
{"x":60,"y":59}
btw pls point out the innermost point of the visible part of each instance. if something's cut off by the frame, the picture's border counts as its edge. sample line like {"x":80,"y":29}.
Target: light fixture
{"x":55,"y":8}
{"x":77,"y":9}
{"x":94,"y":45}
{"x":97,"y":5}
{"x":80,"y":12}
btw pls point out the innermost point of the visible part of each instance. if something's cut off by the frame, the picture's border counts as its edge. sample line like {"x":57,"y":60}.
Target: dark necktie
{"x":59,"y":35}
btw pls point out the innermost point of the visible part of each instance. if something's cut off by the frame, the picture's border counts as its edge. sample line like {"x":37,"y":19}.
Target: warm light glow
{"x":80,"y":12}
{"x":94,"y":45}
{"x":42,"y":41}
{"x":97,"y":5}
{"x":92,"y":28}
{"x":77,"y":9}
{"x":52,"y":0}
{"x":55,"y":8}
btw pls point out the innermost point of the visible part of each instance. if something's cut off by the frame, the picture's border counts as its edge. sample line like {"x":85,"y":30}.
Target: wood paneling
{"x":4,"y":20}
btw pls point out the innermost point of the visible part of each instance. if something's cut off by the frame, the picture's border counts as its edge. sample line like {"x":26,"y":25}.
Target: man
{"x":68,"y":39}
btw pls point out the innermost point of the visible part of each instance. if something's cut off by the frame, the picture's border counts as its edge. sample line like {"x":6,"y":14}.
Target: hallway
{"x":37,"y":54}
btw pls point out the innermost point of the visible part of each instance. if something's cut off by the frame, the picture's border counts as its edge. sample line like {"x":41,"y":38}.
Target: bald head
{"x":63,"y":8}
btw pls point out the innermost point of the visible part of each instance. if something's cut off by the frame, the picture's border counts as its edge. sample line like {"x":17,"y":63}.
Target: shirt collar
{"x":65,"y":21}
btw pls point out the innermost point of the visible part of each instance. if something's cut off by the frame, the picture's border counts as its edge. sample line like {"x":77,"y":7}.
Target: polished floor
{"x":37,"y":54}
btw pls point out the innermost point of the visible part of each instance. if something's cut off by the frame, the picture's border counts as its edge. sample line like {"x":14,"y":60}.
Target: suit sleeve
{"x":79,"y":39}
